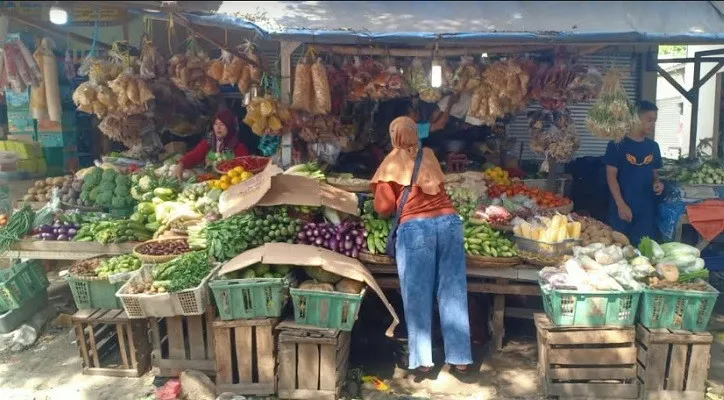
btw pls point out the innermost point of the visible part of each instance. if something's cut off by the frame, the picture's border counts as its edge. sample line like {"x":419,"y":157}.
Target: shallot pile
{"x":347,"y":238}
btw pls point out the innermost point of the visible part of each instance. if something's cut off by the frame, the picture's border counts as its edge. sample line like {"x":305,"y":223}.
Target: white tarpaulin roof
{"x":502,"y":21}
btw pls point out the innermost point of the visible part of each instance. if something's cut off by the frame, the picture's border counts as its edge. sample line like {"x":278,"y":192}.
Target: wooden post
{"x":286,"y":50}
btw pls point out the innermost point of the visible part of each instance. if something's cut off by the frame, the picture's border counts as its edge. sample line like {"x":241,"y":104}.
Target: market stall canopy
{"x":418,"y":22}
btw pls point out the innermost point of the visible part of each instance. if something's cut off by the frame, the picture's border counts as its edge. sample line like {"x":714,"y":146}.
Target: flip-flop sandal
{"x":460,"y":371}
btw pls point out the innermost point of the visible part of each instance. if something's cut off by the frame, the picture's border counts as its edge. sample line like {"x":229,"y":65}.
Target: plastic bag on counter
{"x":609,"y":255}
{"x":622,"y":273}
{"x":45,"y":215}
{"x":600,"y":280}
{"x":327,"y":152}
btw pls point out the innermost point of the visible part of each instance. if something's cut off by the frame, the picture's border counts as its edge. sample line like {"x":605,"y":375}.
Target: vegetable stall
{"x":287,"y":239}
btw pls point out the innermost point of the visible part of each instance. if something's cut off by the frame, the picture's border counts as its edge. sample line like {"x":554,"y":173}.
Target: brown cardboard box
{"x":270,"y":188}
{"x":304,"y":255}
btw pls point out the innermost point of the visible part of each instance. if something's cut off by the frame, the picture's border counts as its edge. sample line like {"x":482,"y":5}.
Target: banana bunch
{"x":549,"y":230}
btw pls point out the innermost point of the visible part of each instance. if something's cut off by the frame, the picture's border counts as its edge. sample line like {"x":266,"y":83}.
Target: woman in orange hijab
{"x":429,"y":251}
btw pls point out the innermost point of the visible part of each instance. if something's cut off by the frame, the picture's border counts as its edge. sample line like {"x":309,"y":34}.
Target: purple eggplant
{"x":46,"y":229}
{"x":301,"y":235}
{"x":355,"y":253}
{"x":348,"y":244}
{"x":62,"y":237}
{"x":359,"y":240}
{"x":72,"y":231}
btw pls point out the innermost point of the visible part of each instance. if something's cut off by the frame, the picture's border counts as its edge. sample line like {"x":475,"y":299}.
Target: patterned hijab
{"x":399,"y":164}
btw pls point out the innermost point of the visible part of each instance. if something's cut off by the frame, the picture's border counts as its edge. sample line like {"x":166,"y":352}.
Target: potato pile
{"x":266,"y":116}
{"x":43,"y":190}
{"x":595,"y":231}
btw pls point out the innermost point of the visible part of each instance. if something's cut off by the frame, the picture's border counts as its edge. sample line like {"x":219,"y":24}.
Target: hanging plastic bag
{"x":322,"y":95}
{"x":327,"y":152}
{"x":303,"y":94}
{"x":38,"y":105}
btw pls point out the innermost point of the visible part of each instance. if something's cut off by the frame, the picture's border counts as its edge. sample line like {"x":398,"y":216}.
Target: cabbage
{"x":681,"y":261}
{"x":674,"y":248}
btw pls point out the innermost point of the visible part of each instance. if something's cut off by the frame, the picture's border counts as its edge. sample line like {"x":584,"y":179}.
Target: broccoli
{"x":109,"y":175}
{"x":104,"y":199}
{"x":91,"y":180}
{"x":93,"y":194}
{"x":118,"y":202}
{"x":123,"y":180}
{"x":121,"y":191}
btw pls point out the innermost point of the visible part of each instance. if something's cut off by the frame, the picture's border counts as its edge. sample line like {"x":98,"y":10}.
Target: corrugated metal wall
{"x":667,"y":127}
{"x":590,"y":145}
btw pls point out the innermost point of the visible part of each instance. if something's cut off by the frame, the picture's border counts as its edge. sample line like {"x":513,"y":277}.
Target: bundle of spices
{"x":611,"y":116}
{"x":553,"y":134}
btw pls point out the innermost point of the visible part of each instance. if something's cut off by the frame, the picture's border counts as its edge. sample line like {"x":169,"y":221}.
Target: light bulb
{"x":58,"y":16}
{"x":436,"y":78}
{"x":484,"y":55}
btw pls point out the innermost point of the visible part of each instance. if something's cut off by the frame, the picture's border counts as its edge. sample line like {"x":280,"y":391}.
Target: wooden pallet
{"x":594,"y":363}
{"x":312,"y":362}
{"x":111,"y":344}
{"x":246,"y":356}
{"x":673,"y":364}
{"x":183,"y":342}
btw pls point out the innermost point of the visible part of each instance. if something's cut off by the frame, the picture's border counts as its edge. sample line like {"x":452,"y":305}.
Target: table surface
{"x":525,"y":273}
{"x":56,"y":250}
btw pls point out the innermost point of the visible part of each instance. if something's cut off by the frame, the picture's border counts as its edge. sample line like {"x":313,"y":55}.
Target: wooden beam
{"x":48,"y":28}
{"x":673,"y":82}
{"x":427,"y":52}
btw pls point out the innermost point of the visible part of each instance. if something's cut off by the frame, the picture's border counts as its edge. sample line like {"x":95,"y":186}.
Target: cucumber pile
{"x":482,"y":240}
{"x":378,"y":229}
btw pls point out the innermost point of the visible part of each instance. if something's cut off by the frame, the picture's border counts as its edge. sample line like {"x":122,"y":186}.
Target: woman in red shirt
{"x":429,"y":249}
{"x":222,"y":144}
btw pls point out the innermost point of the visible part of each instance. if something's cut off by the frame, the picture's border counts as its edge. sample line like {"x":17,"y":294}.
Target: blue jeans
{"x":431,"y":260}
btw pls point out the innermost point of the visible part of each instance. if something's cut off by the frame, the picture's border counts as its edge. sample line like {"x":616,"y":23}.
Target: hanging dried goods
{"x":303,"y":94}
{"x":50,"y":80}
{"x":611,"y":116}
{"x":266,"y":116}
{"x":502,"y":90}
{"x":316,"y":128}
{"x":466,"y":77}
{"x":322,"y":95}
{"x":128,"y":130}
{"x":553,"y":134}
{"x":20,"y":69}
{"x":188,"y":72}
{"x":153,"y":64}
{"x":38,"y":105}
{"x":563,"y":82}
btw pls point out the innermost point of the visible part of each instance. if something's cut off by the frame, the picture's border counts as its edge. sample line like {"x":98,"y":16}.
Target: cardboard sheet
{"x":304,"y":255}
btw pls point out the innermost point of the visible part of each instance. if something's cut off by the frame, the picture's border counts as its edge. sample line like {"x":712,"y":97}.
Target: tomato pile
{"x":542,"y":198}
{"x":248,"y":163}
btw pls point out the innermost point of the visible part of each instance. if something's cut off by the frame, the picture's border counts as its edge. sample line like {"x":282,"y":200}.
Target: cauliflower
{"x":145,"y":184}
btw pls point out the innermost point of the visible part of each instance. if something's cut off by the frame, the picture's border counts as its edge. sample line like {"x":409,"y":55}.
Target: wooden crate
{"x":593,"y":363}
{"x":312,"y":362}
{"x":111,"y":344}
{"x":246,"y":356}
{"x":673,"y":364}
{"x":183,"y":342}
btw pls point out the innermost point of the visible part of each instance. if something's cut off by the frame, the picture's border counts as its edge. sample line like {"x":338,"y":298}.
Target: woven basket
{"x":491,"y":262}
{"x":151,"y":259}
{"x":383,"y":259}
{"x":562,"y":209}
{"x":539,"y":260}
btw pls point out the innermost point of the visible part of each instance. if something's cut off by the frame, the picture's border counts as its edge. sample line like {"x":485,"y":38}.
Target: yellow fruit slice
{"x":246,"y":175}
{"x":223,"y":186}
{"x":235,"y":180}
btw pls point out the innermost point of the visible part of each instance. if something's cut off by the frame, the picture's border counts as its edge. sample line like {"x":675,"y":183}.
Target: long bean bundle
{"x":18,"y":226}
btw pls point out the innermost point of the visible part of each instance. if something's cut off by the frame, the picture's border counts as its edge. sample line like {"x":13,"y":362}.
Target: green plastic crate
{"x":94,"y":293}
{"x":20,"y":283}
{"x":249,"y":298}
{"x":677,"y":309}
{"x":326,"y":309}
{"x":575,"y":308}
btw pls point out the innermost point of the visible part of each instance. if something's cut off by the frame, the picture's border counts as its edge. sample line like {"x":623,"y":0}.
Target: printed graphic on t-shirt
{"x":633,"y":161}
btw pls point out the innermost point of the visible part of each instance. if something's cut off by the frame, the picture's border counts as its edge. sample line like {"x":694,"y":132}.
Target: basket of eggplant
{"x":58,"y":230}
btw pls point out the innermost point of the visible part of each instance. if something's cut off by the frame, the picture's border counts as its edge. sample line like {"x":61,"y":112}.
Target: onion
{"x":72,"y":231}
{"x":301,"y":235}
{"x":318,"y":241}
{"x":326,"y":244}
{"x":354,"y":232}
{"x":315,"y":232}
{"x":348,"y":244}
{"x":355,"y":253}
{"x":62,"y":237}
{"x":310,"y":234}
{"x":333,"y":243}
{"x":359,"y":240}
